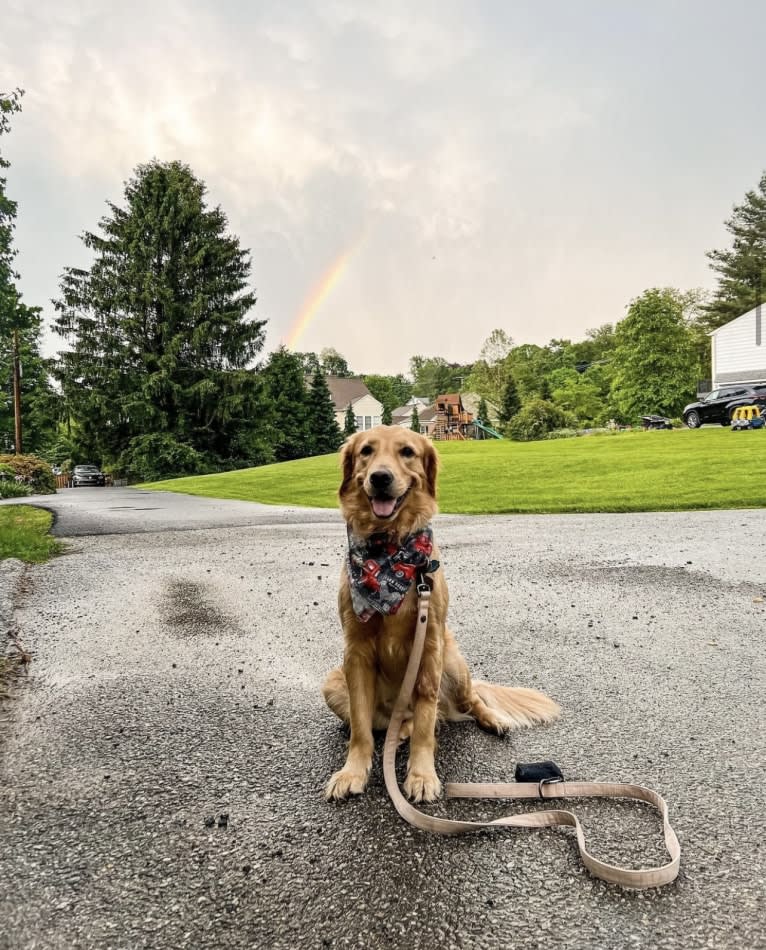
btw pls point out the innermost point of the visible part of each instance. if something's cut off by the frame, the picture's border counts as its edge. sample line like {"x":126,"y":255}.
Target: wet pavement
{"x":162,"y":770}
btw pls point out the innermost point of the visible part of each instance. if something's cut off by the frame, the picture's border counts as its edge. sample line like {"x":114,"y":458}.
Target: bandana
{"x":381,"y":571}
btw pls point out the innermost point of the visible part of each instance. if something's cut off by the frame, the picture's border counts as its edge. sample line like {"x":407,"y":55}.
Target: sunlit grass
{"x":635,"y":471}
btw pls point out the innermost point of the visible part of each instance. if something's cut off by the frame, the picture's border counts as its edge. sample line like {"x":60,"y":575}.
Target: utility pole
{"x":17,"y":392}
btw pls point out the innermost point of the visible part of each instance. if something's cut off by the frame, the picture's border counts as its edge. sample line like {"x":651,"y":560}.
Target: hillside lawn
{"x":630,"y":471}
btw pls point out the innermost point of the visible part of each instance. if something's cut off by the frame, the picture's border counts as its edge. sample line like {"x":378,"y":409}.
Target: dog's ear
{"x":346,"y":464}
{"x":431,"y":466}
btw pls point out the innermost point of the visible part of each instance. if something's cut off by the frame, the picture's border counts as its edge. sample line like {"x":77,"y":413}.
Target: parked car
{"x":87,"y":475}
{"x":718,"y":406}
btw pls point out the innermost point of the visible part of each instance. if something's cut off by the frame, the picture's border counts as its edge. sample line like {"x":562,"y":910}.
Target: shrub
{"x":565,"y":433}
{"x":536,"y":419}
{"x":10,"y":488}
{"x":34,"y":473}
{"x":150,"y":458}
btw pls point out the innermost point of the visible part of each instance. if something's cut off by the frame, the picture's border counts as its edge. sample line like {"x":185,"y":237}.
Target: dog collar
{"x":382,"y":570}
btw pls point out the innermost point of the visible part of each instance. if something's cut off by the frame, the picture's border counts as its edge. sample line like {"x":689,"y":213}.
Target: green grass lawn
{"x":635,"y":471}
{"x":24,"y":533}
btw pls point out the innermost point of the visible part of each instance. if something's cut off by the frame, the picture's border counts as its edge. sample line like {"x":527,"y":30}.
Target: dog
{"x":388,"y":499}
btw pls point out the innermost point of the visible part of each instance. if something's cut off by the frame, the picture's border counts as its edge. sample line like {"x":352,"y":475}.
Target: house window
{"x":368,"y":422}
{"x":359,"y":423}
{"x":376,"y":420}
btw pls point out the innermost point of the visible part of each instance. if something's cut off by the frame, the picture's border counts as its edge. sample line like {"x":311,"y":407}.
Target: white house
{"x":739,"y":350}
{"x":352,"y":391}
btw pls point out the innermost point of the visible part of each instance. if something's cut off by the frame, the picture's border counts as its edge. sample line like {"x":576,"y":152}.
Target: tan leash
{"x":546,"y":789}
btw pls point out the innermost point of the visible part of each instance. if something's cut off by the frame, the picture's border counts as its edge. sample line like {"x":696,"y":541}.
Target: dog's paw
{"x":496,"y":723}
{"x":422,"y":786}
{"x":344,"y":783}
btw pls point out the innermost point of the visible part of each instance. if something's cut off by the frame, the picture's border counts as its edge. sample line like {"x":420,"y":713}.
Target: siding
{"x":738,"y":350}
{"x":367,"y":407}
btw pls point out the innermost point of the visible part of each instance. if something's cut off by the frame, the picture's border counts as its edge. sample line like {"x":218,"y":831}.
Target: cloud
{"x":474,"y":160}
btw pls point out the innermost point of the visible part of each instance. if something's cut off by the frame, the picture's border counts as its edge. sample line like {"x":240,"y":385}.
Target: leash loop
{"x":625,"y":877}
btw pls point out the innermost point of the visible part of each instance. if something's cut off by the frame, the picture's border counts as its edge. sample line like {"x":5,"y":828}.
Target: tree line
{"x":163,"y":372}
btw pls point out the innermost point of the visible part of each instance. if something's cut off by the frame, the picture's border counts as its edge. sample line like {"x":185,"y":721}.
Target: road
{"x":179,"y":649}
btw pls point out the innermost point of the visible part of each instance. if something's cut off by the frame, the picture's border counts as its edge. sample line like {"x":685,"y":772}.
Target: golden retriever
{"x":389,"y":488}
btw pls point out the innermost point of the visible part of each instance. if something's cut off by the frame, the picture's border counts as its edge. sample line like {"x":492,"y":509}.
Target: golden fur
{"x":362,"y":692}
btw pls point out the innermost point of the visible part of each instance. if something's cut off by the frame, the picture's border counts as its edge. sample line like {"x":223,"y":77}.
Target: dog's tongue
{"x":383,"y":507}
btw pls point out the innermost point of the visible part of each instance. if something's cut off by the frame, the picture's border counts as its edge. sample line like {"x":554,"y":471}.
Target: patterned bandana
{"x":381,"y":571}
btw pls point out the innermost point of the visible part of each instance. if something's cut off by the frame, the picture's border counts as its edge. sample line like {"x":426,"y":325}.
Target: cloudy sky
{"x":451,"y":167}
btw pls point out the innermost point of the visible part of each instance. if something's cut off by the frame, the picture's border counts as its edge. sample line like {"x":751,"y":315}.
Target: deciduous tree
{"x":655,"y":357}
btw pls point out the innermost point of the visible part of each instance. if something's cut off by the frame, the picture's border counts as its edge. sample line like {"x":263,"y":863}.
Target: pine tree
{"x":415,"y":420}
{"x":325,"y":432}
{"x":511,"y":402}
{"x":349,"y":423}
{"x":40,"y":404}
{"x":386,"y":419}
{"x":482,"y":413}
{"x":20,"y":326}
{"x":161,"y":345}
{"x":9,"y":104}
{"x":741,"y":269}
{"x":291,"y":435}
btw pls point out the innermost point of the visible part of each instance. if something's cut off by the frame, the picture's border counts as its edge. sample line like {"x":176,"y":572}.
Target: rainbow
{"x":320,"y":292}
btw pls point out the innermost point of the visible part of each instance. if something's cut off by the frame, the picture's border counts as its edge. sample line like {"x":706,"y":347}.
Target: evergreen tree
{"x":20,"y":332}
{"x":415,"y":420}
{"x":291,"y":435}
{"x":655,"y":356}
{"x":386,"y":418}
{"x":349,"y":424}
{"x":742,"y":268}
{"x":325,"y":432}
{"x":482,"y":413}
{"x":40,"y":404}
{"x":511,"y":402}
{"x":161,"y":346}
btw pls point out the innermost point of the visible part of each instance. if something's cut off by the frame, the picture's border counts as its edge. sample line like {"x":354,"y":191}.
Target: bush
{"x":34,"y":473}
{"x":10,"y":488}
{"x":150,"y":458}
{"x":565,"y":433}
{"x":536,"y":419}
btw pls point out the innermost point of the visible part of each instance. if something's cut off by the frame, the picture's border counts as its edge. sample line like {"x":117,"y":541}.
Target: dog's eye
{"x":408,"y":452}
{"x":366,"y":450}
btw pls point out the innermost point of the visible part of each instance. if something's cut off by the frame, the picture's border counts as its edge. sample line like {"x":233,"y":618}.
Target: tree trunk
{"x":17,"y":393}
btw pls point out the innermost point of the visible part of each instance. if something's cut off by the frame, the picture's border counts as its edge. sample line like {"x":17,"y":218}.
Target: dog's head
{"x":389,"y":481}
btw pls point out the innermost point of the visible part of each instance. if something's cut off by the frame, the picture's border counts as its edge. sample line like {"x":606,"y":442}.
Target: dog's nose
{"x":381,"y":480}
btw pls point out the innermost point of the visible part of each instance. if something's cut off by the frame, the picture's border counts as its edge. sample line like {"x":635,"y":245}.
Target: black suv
{"x":719,"y":405}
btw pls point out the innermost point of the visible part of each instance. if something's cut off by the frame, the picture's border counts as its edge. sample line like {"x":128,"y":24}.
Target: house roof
{"x":743,"y":316}
{"x":346,"y":391}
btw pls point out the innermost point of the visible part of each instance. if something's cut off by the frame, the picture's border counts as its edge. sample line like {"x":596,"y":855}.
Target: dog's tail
{"x":517,"y":706}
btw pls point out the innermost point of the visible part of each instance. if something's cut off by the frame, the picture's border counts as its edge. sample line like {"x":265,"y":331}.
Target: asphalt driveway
{"x":179,"y":648}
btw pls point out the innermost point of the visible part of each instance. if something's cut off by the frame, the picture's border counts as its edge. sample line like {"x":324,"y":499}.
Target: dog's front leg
{"x":422,"y":783}
{"x":359,"y":669}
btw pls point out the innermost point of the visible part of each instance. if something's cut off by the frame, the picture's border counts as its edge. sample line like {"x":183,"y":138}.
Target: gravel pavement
{"x":161,"y":775}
